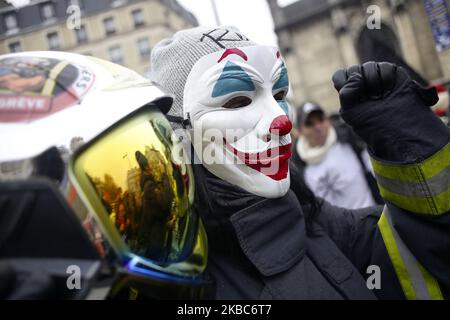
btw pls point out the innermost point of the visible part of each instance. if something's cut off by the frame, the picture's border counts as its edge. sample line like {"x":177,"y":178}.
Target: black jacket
{"x":346,"y":135}
{"x":265,"y":249}
{"x":262,"y":251}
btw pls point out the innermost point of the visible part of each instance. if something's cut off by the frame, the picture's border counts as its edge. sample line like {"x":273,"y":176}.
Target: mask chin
{"x":250,"y":180}
{"x":227,"y":168}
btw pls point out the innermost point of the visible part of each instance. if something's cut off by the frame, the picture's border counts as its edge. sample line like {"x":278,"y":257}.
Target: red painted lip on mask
{"x":261,"y":161}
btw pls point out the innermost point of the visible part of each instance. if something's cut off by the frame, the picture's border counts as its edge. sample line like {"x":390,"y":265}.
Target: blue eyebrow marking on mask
{"x":232,"y":79}
{"x":283,"y":105}
{"x":283,"y":80}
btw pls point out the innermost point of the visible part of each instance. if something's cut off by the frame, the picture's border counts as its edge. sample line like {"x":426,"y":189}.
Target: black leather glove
{"x":390,"y":112}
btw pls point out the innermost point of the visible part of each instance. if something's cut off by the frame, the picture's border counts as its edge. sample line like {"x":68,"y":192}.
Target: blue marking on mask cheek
{"x":283,"y":105}
{"x":283,"y":80}
{"x":232,"y":79}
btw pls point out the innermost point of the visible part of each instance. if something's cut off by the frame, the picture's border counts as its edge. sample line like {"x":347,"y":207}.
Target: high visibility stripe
{"x":436,"y":185}
{"x":51,"y":82}
{"x":415,"y":281}
{"x":432,"y":285}
{"x":396,"y":258}
{"x":422,"y":188}
{"x":433,"y":205}
{"x":416,"y":171}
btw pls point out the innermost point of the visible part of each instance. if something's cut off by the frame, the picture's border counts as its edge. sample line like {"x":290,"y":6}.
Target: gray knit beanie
{"x":172,"y":59}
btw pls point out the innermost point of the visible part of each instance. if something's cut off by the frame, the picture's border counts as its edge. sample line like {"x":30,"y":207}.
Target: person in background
{"x":333,"y":160}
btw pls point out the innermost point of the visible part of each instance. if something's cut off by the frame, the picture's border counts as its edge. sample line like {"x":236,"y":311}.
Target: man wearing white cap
{"x":334,"y":162}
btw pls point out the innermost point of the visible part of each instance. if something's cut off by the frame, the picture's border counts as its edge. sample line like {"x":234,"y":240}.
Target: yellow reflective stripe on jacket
{"x":422,"y":188}
{"x":51,"y":81}
{"x":415,"y":280}
{"x":432,"y":285}
{"x":424,"y":205}
{"x":396,"y":258}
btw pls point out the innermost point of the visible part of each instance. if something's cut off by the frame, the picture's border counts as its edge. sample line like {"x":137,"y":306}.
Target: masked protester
{"x":269,"y":237}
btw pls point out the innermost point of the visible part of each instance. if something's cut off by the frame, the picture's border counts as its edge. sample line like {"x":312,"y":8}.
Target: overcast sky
{"x":252,"y":17}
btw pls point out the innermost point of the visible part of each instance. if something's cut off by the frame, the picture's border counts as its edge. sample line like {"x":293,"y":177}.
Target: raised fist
{"x":390,"y":111}
{"x":376,"y":81}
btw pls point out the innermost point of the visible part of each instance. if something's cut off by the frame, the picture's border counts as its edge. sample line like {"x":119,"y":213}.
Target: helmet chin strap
{"x":186,"y":123}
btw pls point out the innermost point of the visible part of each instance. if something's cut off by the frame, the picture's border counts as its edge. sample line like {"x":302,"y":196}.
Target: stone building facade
{"x":319,"y":36}
{"x":122,"y":31}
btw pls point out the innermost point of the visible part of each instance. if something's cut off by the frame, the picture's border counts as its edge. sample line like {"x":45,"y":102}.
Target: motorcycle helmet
{"x":94,"y":133}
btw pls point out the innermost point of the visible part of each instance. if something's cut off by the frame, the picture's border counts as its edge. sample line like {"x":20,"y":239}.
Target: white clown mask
{"x":235,"y":101}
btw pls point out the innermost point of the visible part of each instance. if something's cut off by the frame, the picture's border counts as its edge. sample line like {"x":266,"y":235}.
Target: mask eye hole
{"x":280,"y":95}
{"x":237,"y":102}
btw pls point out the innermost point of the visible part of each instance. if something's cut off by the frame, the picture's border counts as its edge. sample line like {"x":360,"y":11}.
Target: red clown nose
{"x":280,"y":126}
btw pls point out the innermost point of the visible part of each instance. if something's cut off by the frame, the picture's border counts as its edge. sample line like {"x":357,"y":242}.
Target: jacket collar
{"x":271,"y":233}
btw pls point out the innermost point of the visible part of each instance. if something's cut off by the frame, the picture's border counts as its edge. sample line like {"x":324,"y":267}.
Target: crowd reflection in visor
{"x":144,"y":190}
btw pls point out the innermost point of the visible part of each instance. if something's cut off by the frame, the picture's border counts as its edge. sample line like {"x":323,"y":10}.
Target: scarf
{"x":314,"y":155}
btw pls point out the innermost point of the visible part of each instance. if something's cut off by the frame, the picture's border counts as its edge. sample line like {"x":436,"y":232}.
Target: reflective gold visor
{"x":140,"y":191}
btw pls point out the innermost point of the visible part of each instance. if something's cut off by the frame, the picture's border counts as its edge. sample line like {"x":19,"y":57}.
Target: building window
{"x":144,"y":48}
{"x":77,"y":3}
{"x":53,"y":41}
{"x":116,"y":55}
{"x":110,"y":27}
{"x":138,"y":18}
{"x":117,"y":3}
{"x":47,"y":11}
{"x":11,"y":21}
{"x":15,"y":47}
{"x":81,"y":34}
